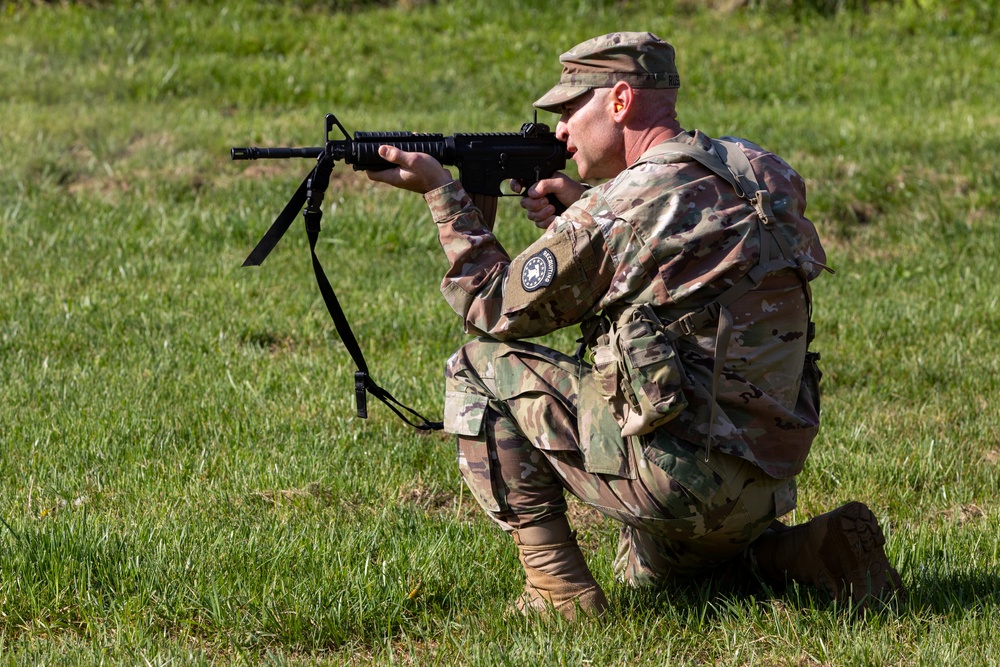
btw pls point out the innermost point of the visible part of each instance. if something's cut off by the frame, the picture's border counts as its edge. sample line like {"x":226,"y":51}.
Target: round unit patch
{"x":538,"y":271}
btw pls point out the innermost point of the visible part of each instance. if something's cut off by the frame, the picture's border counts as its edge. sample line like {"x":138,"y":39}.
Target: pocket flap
{"x":649,"y":350}
{"x":463,"y":413}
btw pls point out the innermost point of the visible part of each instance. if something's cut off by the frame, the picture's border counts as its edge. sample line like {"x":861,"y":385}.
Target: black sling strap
{"x":310,"y":194}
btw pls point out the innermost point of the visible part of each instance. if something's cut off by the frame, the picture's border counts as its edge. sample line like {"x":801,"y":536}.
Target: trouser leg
{"x":503,"y":462}
{"x":514,"y":409}
{"x":515,"y":483}
{"x":733,"y":505}
{"x":510,"y":477}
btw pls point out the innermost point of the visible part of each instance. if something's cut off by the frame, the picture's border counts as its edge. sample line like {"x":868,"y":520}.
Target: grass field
{"x":183,"y":480}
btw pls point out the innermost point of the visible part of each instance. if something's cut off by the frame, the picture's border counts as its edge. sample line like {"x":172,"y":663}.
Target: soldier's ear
{"x":622,"y":98}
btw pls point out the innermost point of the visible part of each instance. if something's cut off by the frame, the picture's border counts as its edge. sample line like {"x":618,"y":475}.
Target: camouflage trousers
{"x":514,"y":409}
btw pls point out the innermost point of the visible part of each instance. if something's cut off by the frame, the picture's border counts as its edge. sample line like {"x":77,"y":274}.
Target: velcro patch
{"x":538,"y":271}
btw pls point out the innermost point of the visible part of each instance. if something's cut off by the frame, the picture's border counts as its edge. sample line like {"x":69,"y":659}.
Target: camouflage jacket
{"x":670,"y":233}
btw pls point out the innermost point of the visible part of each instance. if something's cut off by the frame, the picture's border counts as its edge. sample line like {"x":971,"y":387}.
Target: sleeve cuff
{"x":447,"y":201}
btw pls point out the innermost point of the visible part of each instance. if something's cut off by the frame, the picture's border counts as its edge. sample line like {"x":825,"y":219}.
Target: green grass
{"x":183,"y":480}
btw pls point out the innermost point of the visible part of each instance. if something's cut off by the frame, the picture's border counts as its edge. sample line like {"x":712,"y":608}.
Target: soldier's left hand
{"x":417,"y":172}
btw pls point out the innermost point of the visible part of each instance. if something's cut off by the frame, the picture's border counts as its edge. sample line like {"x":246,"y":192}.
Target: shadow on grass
{"x":723,"y":595}
{"x":957,"y":592}
{"x":738,"y":592}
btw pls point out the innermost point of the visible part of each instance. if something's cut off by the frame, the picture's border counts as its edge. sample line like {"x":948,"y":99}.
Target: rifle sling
{"x":310,"y":195}
{"x":280,"y":225}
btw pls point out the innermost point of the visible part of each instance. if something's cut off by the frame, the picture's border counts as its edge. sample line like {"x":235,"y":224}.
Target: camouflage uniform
{"x":530,"y":421}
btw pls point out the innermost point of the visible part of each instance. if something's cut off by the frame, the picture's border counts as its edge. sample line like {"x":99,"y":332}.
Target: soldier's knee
{"x":470,"y":386}
{"x":478,"y":359}
{"x":469,"y":359}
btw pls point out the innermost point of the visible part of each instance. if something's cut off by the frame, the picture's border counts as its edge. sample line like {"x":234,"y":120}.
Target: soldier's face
{"x":592,"y":136}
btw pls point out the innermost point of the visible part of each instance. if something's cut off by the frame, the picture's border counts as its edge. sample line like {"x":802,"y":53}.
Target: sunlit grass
{"x":183,"y":478}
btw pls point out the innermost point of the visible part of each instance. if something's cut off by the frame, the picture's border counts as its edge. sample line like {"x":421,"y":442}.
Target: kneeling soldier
{"x":688,"y":270}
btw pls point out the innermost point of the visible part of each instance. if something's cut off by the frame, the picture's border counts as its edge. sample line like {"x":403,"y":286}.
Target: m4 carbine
{"x":484,"y":161}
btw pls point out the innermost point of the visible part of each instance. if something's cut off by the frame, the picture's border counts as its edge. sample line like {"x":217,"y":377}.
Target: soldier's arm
{"x":554,"y":283}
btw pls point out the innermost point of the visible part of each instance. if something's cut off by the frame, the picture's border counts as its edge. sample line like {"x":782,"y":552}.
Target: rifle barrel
{"x":257,"y":153}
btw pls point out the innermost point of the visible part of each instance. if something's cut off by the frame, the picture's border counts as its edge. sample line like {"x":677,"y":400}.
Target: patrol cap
{"x":639,"y":58}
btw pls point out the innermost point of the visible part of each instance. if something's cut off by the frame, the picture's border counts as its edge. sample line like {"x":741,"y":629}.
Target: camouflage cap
{"x":639,"y":58}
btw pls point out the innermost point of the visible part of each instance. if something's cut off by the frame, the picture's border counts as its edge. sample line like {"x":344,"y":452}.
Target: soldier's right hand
{"x":535,"y":200}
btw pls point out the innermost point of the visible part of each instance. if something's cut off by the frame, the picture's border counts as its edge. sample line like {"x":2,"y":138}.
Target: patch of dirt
{"x":276,"y":496}
{"x":963,"y":513}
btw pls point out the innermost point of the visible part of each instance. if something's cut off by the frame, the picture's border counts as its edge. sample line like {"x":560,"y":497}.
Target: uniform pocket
{"x":601,"y":442}
{"x":550,"y":275}
{"x":684,"y":467}
{"x":649,"y":372}
{"x":463,"y":413}
{"x":479,"y":472}
{"x":608,"y":378}
{"x":654,"y":377}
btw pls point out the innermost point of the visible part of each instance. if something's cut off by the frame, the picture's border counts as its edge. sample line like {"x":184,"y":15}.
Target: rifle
{"x":484,"y":160}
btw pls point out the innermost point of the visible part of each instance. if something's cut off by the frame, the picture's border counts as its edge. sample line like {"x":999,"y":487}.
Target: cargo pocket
{"x":479,"y":472}
{"x":654,"y":376}
{"x":685,"y":467}
{"x":463,"y":415}
{"x":607,"y":378}
{"x":604,"y":450}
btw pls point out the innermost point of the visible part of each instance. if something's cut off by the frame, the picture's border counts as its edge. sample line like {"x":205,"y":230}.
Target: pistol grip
{"x":560,"y":208}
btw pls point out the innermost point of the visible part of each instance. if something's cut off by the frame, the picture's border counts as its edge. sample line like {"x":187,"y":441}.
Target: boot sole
{"x":867,"y":573}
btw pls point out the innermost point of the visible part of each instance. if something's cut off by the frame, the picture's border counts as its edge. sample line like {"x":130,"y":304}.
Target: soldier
{"x":688,"y":271}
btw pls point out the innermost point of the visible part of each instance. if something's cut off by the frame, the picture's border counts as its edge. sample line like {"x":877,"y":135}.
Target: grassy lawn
{"x":182,"y":477}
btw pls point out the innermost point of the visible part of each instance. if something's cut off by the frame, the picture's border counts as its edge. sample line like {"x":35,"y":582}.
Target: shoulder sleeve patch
{"x":538,"y":271}
{"x":542,"y":273}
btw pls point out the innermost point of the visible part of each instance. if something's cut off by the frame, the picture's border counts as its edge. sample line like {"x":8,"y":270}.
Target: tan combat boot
{"x":840,"y":552}
{"x":557,"y":574}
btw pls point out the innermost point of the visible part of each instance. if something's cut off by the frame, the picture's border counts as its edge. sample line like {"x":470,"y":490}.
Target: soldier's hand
{"x":417,"y":172}
{"x":535,"y":200}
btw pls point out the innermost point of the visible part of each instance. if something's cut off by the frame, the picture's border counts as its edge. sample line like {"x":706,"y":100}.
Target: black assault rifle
{"x":484,"y":160}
